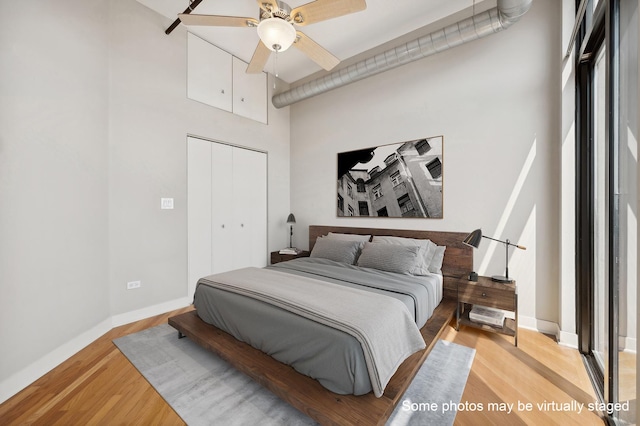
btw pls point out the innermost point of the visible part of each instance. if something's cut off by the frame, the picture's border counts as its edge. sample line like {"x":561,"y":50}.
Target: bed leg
{"x":180,"y":335}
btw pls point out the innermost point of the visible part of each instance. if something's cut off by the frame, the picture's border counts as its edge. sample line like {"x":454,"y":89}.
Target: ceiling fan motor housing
{"x":283,"y":12}
{"x":275,"y":29}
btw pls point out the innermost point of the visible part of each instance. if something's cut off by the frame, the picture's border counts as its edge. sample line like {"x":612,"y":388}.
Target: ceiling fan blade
{"x":268,"y":5}
{"x":259,"y":59}
{"x":317,"y":53}
{"x":217,"y":20}
{"x":321,"y":10}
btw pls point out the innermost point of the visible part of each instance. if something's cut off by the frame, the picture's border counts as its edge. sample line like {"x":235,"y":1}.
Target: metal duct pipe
{"x":480,"y":25}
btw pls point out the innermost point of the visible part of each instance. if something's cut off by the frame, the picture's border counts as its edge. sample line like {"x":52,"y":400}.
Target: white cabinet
{"x":209,"y":74}
{"x":249,"y":92}
{"x":216,"y":78}
{"x":226,"y":209}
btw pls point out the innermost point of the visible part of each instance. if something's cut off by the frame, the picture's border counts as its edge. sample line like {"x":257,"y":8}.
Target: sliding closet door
{"x":198,"y":211}
{"x":226,"y":209}
{"x":250,"y":208}
{"x":222,"y":208}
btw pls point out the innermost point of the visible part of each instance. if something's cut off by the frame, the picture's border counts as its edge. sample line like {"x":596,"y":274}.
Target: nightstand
{"x":493,"y":294}
{"x":277,"y":257}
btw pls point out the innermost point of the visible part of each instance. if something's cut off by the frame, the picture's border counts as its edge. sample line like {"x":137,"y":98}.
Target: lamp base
{"x":502,"y":279}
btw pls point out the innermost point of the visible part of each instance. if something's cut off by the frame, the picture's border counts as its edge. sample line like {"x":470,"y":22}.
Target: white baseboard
{"x":542,"y":326}
{"x":627,"y":344}
{"x":548,"y":327}
{"x":23,"y":378}
{"x":144,"y":313}
{"x":567,"y":339}
{"x":33,"y":372}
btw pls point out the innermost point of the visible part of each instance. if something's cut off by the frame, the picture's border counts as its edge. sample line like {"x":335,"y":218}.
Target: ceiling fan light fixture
{"x":277,"y":34}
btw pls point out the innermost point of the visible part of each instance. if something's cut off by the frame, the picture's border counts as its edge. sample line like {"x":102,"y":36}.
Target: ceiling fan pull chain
{"x":275,"y":64}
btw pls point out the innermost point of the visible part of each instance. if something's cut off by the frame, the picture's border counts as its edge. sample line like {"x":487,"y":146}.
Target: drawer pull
{"x":484,"y":294}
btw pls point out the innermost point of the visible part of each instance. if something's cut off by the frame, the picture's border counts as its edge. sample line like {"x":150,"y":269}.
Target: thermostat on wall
{"x":166,"y":203}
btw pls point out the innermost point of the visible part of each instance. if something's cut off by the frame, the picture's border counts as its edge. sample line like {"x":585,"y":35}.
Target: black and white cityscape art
{"x":397,"y":180}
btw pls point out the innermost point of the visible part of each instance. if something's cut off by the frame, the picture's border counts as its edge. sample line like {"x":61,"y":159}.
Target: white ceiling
{"x":345,"y":36}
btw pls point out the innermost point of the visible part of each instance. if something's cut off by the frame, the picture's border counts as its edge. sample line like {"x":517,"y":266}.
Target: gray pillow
{"x":427,"y":251}
{"x":337,"y":250}
{"x":348,"y":237}
{"x":389,"y":257}
{"x":438,"y":258}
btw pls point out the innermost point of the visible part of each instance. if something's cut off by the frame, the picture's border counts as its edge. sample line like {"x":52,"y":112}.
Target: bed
{"x":348,"y":392}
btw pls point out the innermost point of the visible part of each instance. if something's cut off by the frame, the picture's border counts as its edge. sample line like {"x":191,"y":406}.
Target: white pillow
{"x":436,"y":263}
{"x":389,"y":257}
{"x":348,"y":237}
{"x":427,"y":251}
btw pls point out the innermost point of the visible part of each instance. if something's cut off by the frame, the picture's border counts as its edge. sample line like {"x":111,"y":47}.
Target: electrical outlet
{"x":133,"y":284}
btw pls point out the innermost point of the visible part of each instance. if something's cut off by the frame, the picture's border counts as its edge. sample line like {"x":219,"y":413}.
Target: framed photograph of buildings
{"x":396,"y":180}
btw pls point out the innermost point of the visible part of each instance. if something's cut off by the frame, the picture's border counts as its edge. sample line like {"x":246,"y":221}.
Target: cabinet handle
{"x":484,"y":294}
{"x":242,"y":225}
{"x":222,"y":91}
{"x":223,"y":226}
{"x":241,"y":99}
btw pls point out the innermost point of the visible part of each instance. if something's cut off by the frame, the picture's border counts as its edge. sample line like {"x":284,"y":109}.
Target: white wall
{"x":53,"y":177}
{"x":93,"y":132}
{"x":497,"y":102}
{"x":567,"y":291}
{"x":150,"y":118}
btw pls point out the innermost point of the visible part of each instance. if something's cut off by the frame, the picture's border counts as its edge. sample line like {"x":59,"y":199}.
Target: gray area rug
{"x":205,"y":390}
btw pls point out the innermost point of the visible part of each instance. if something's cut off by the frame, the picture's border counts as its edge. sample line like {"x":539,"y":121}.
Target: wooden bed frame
{"x":307,"y":394}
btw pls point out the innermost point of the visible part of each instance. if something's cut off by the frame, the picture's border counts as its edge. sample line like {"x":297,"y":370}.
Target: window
{"x":340,"y":203}
{"x":395,"y":178}
{"x":606,"y":74}
{"x":435,"y":168}
{"x":405,"y":204}
{"x":351,"y":211}
{"x":377,"y":192}
{"x":360,"y":185}
{"x":363,"y":208}
{"x":383,"y":212}
{"x":349,"y":190}
{"x":390,"y":159}
{"x":423,"y":147}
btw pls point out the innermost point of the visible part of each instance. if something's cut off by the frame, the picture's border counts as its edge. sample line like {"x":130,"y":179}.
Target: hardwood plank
{"x":68,"y":393}
{"x":539,"y":369}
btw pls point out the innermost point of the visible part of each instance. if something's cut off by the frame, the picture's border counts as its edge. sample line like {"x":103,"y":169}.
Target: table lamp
{"x":473,"y":240}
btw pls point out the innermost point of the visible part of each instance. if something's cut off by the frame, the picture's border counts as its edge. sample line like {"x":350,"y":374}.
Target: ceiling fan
{"x":276,"y":27}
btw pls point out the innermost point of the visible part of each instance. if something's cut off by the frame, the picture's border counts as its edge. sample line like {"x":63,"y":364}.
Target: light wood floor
{"x":99,"y":385}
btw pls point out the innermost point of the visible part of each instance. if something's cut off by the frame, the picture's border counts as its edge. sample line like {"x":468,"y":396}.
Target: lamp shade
{"x":276,"y":33}
{"x":291,"y":218}
{"x":473,"y":239}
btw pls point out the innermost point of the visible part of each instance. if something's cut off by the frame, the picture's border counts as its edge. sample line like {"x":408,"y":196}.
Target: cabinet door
{"x":198,"y":211}
{"x":222,"y":209}
{"x":250,"y":208}
{"x":209,"y":74}
{"x":249,"y":92}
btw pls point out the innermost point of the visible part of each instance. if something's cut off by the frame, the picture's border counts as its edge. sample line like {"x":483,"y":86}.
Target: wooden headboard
{"x":458,"y":257}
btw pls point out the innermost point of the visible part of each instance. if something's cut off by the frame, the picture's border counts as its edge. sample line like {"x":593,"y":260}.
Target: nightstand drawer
{"x":486,"y":296}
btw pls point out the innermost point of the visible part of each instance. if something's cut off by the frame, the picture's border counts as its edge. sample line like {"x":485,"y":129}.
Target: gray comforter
{"x":421,"y":294}
{"x":311,"y":343}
